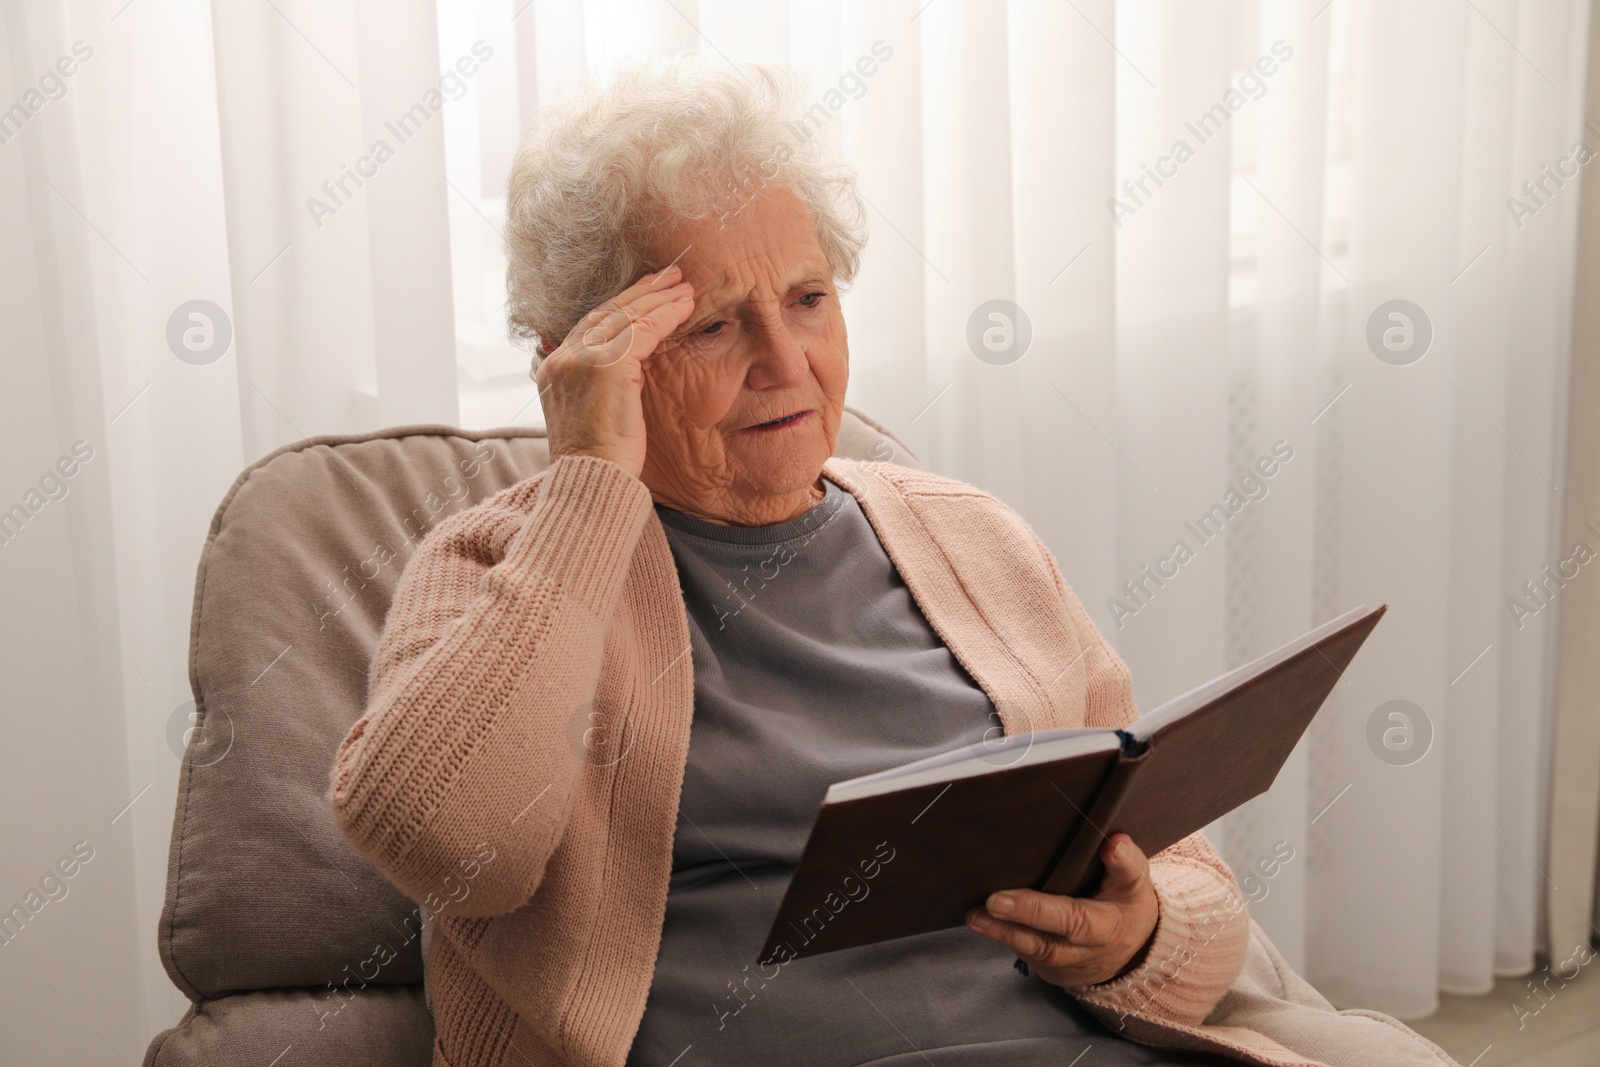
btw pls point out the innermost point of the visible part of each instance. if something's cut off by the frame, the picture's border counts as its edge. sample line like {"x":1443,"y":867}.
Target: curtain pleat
{"x":1063,"y":159}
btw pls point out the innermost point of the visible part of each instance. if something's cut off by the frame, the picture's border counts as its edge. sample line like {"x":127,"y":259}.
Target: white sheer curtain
{"x":1339,"y":156}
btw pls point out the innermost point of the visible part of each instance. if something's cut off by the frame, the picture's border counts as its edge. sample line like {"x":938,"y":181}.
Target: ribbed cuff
{"x":1201,"y":936}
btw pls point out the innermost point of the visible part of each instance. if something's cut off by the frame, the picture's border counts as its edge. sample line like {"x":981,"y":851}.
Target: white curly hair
{"x":669,"y":140}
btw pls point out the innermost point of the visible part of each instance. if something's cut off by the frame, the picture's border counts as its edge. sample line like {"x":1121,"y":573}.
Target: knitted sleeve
{"x":1203,"y":929}
{"x":458,"y":780}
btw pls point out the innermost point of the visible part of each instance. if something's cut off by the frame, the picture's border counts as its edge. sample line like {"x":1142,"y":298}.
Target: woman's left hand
{"x":1079,"y":941}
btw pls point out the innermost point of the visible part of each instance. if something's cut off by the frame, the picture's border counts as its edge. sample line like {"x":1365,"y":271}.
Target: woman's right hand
{"x":591,"y":387}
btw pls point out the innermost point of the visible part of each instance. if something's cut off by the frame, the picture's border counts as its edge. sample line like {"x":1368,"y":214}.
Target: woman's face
{"x":765,"y":342}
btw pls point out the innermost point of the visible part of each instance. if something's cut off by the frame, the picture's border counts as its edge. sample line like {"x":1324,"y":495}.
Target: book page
{"x":981,"y":757}
{"x":1147,"y":725}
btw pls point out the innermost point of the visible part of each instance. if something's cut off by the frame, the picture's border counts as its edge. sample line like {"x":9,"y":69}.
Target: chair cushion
{"x":294,"y":581}
{"x":385,"y":1026}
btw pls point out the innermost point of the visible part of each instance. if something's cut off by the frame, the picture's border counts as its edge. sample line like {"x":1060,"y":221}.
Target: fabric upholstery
{"x":385,"y":1026}
{"x":303,"y":554}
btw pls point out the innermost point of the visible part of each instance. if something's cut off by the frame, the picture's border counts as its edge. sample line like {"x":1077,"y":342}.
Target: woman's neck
{"x":729,"y":508}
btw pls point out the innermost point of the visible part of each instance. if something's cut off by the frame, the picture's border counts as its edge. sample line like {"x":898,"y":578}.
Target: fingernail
{"x":978,"y":920}
{"x":1002,"y":903}
{"x":672,"y":270}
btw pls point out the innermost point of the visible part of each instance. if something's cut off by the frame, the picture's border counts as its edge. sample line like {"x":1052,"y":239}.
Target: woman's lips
{"x":777,"y":425}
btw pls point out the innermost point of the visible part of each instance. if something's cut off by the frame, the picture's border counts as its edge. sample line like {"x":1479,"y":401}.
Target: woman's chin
{"x":776,"y":465}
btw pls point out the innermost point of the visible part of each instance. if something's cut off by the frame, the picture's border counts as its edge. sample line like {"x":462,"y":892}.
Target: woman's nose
{"x":779,"y":360}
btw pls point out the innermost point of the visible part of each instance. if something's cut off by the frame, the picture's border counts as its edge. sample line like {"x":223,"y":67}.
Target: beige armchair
{"x":277,"y":930}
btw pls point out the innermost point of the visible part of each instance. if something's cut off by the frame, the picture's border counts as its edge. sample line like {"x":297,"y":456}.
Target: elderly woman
{"x":608,"y":701}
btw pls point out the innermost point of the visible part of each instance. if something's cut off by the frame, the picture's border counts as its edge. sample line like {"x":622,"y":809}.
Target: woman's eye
{"x":811,"y":300}
{"x":714,"y":329}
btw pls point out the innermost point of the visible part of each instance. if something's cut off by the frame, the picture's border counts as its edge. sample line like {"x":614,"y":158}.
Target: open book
{"x":910,"y":849}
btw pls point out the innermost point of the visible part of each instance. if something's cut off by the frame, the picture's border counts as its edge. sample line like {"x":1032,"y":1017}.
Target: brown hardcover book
{"x":911,"y":849}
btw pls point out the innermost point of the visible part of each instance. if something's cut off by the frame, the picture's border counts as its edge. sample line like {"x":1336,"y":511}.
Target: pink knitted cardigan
{"x":466,"y":781}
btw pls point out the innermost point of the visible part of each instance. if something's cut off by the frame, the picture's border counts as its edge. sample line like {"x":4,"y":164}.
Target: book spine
{"x":1077,"y":873}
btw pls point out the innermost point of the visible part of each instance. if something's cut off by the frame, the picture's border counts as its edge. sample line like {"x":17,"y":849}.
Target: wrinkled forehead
{"x":765,"y":244}
{"x":754,"y":279}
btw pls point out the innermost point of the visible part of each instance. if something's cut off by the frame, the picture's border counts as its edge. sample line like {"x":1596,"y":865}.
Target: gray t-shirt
{"x":813,"y":664}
